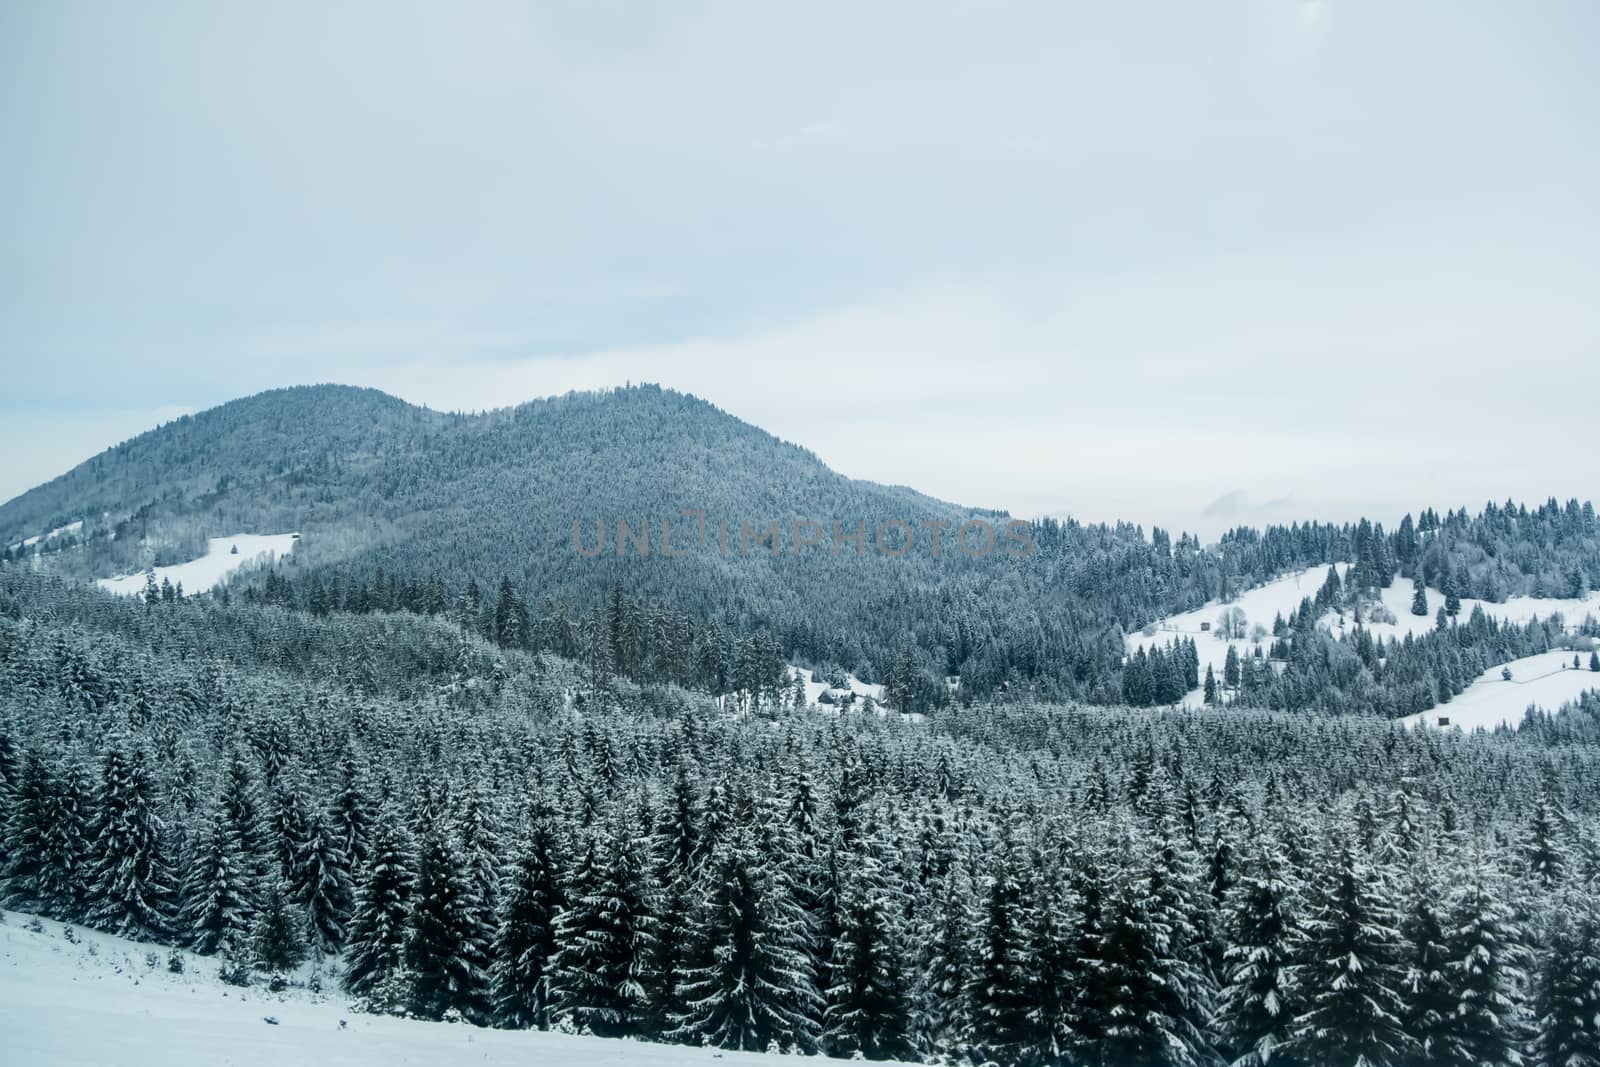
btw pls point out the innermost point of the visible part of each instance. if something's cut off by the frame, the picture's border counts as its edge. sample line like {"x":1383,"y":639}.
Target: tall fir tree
{"x":1000,"y":998}
{"x":1256,"y":1006}
{"x":1566,"y":1001}
{"x":598,"y":976}
{"x":443,"y":956}
{"x":218,"y":894}
{"x":1485,"y":951}
{"x":1350,"y":968}
{"x":869,"y":1005}
{"x":375,"y":947}
{"x":749,"y":985}
{"x":132,"y":886}
{"x":525,"y":942}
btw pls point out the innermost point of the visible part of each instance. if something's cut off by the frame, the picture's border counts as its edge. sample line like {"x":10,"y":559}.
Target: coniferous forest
{"x":465,"y":828}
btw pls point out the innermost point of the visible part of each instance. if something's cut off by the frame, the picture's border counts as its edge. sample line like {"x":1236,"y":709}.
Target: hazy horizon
{"x":1278,"y":261}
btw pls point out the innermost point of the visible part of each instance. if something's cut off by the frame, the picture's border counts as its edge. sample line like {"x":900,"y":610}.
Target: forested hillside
{"x":407,"y":509}
{"x":1032,"y":884}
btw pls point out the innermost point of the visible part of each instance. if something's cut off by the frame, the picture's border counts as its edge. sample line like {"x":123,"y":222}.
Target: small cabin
{"x":1204,"y":627}
{"x":1444,"y":720}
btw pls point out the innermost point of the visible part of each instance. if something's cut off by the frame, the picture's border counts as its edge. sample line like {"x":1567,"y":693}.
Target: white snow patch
{"x":1282,"y":596}
{"x":59,"y":531}
{"x":815,"y":689}
{"x":99,"y":1002}
{"x":220,"y":560}
{"x":1547,"y":680}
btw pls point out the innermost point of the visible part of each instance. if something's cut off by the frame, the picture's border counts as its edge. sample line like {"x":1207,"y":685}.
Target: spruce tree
{"x":749,"y":984}
{"x":44,"y":847}
{"x":598,"y":976}
{"x":525,"y":943}
{"x":442,"y":956}
{"x":1430,"y":1000}
{"x":322,"y":886}
{"x":132,"y":885}
{"x":869,"y":1005}
{"x":217,"y":892}
{"x":1566,"y":1002}
{"x":1419,"y":598}
{"x":378,"y":926}
{"x":1349,"y":969}
{"x":999,"y":997}
{"x":276,"y":943}
{"x":1256,"y":1007}
{"x":1485,"y":951}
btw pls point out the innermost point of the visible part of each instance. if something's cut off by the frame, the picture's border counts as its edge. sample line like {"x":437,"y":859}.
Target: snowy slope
{"x":199,"y":575}
{"x":1547,"y":680}
{"x":814,"y":688}
{"x":69,"y":528}
{"x":1282,"y":596}
{"x":99,"y":1002}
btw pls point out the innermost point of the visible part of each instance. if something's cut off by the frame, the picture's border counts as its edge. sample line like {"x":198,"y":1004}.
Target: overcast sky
{"x":1185,"y":264}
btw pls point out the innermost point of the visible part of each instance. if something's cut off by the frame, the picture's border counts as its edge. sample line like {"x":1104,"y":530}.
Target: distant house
{"x":1204,"y":627}
{"x":1444,"y":720}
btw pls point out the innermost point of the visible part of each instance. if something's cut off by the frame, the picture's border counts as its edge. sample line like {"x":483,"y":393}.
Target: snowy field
{"x":1282,"y":597}
{"x":220,"y":560}
{"x":59,"y":531}
{"x":1547,"y":680}
{"x":100,"y":1002}
{"x":815,"y":689}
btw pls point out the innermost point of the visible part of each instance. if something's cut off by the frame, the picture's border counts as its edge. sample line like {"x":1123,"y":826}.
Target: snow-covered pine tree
{"x":276,"y":943}
{"x":1429,"y":999}
{"x":526,"y":940}
{"x":999,"y":996}
{"x":241,"y":799}
{"x":1485,"y":950}
{"x":44,"y":847}
{"x":375,"y":946}
{"x":321,"y":885}
{"x":1052,"y":962}
{"x":598,"y":977}
{"x":869,"y":1005}
{"x":218,"y":894}
{"x":676,"y":858}
{"x":1256,"y":1006}
{"x":349,"y":816}
{"x":749,"y":984}
{"x":944,"y":976}
{"x":1180,"y":905}
{"x":1349,"y":968}
{"x":1545,"y":851}
{"x":131,"y":886}
{"x":443,"y":952}
{"x":1566,"y":1002}
{"x":1135,"y":973}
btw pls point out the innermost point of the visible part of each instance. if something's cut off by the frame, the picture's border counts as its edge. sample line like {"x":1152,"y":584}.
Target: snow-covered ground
{"x":100,"y":1002}
{"x":59,"y":531}
{"x":1283,"y":595}
{"x":220,"y":560}
{"x":1547,"y":680}
{"x":814,"y":688}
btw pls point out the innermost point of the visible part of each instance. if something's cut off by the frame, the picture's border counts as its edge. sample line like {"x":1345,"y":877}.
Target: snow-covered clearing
{"x":1282,"y":596}
{"x":59,"y":531}
{"x":815,"y":689}
{"x":1547,"y":680}
{"x":220,"y":560}
{"x":100,"y":1002}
